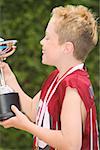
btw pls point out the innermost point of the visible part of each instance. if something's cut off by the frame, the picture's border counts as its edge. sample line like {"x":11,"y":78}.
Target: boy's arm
{"x":34,"y":106}
{"x":29,"y":105}
{"x":71,"y":119}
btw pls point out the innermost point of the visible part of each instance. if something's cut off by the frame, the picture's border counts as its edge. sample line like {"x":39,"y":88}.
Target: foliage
{"x":25,"y":20}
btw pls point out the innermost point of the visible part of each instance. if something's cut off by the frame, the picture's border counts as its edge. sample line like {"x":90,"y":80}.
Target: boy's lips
{"x":43,"y":52}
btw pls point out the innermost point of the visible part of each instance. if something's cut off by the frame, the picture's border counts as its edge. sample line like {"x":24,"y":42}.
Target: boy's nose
{"x":41,"y":42}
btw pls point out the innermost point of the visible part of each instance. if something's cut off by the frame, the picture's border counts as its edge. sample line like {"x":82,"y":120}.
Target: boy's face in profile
{"x":51,"y":49}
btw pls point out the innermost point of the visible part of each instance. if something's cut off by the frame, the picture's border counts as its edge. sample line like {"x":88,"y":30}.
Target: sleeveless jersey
{"x":78,"y":79}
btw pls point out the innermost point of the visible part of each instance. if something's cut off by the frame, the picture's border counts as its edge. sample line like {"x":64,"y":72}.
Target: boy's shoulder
{"x":80,"y":81}
{"x":78,"y":77}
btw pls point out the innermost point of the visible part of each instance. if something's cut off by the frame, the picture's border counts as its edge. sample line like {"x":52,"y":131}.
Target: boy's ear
{"x":68,"y":47}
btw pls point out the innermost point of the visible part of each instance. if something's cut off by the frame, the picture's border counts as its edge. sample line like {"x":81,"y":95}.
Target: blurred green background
{"x":26,"y":20}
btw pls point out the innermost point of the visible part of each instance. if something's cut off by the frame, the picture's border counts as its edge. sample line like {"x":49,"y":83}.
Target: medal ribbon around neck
{"x":48,"y":96}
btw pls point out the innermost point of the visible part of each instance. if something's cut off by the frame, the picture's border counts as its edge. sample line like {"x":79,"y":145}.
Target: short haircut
{"x":78,"y":25}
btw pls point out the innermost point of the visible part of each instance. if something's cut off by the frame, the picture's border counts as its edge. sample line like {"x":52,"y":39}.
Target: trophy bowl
{"x":7,"y":96}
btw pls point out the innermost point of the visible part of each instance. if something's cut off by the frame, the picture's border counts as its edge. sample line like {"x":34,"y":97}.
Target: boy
{"x":66,"y":114}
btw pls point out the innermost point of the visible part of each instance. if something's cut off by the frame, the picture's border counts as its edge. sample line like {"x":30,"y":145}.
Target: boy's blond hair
{"x":78,"y":25}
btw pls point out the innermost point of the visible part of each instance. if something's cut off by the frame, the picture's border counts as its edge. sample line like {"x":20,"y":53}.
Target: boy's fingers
{"x":5,"y":123}
{"x":15,"y":110}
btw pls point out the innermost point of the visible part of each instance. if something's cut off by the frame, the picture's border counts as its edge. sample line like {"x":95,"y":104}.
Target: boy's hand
{"x":20,"y":121}
{"x":9,"y":76}
{"x":4,"y":56}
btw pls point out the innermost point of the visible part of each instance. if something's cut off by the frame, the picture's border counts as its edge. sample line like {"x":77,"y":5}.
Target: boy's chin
{"x":48,"y":64}
{"x":45,"y":63}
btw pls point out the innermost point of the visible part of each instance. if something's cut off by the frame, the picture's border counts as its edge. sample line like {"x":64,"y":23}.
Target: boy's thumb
{"x":15,"y":109}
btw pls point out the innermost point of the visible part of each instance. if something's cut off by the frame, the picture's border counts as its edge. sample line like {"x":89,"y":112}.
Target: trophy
{"x":7,"y":96}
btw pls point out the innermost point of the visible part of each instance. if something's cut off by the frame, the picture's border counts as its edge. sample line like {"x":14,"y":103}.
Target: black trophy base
{"x":6,"y":100}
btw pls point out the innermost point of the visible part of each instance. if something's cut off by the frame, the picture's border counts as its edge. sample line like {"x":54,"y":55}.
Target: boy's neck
{"x":65,"y":67}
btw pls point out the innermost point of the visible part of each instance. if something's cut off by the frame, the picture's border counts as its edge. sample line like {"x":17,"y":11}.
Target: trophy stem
{"x":2,"y":81}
